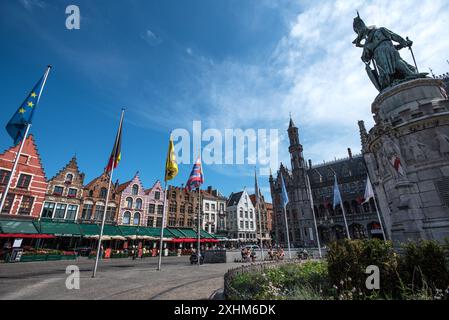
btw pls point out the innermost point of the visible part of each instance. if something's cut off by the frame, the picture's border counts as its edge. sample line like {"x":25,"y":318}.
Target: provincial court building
{"x":351,"y":174}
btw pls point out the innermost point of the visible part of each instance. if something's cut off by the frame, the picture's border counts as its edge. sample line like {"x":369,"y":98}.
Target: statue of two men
{"x":378,"y":48}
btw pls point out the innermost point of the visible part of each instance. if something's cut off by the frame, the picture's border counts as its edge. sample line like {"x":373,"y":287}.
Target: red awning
{"x":209,"y":240}
{"x":184,"y":240}
{"x":24,"y":235}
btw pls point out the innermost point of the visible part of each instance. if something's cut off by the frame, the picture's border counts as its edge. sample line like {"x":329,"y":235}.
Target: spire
{"x":295,"y":148}
{"x":363,"y":135}
{"x":291,"y":124}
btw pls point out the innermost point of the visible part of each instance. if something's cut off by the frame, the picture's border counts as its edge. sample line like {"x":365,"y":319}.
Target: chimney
{"x":350,"y":153}
{"x":310,"y":164}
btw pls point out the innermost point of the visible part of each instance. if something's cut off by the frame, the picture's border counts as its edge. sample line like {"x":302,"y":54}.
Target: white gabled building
{"x":214,"y":211}
{"x":241,"y":217}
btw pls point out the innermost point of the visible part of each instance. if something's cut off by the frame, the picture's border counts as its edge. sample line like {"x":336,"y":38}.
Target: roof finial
{"x":291,"y":124}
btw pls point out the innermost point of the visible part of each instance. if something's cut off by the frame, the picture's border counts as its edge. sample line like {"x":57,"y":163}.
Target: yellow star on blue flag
{"x":16,"y":127}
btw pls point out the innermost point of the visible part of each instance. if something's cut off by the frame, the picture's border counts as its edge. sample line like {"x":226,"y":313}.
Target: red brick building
{"x":64,"y":194}
{"x":182,"y":208}
{"x":94,"y":198}
{"x":29,"y":184}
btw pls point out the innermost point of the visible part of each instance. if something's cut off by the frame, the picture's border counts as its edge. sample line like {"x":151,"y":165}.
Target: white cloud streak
{"x":314,"y":72}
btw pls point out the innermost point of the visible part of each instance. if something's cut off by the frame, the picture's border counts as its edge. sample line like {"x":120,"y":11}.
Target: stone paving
{"x":116,"y":279}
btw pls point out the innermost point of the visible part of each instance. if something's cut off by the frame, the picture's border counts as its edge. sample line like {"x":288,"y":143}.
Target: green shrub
{"x":419,"y":273}
{"x":424,"y":267}
{"x":347,"y":263}
{"x":289,"y":281}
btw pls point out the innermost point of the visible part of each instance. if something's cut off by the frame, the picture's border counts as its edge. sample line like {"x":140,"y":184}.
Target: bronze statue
{"x":378,"y":48}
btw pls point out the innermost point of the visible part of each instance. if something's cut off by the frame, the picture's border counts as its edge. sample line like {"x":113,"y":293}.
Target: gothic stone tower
{"x":407,"y":155}
{"x":299,"y":212}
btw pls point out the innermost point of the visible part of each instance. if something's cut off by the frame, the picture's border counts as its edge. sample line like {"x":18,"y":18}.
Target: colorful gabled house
{"x":132,"y":202}
{"x":29,"y":184}
{"x":94,"y":201}
{"x":64,"y":193}
{"x":155,"y":205}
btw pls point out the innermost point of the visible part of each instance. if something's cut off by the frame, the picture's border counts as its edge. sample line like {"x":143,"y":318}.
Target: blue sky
{"x":231,"y":64}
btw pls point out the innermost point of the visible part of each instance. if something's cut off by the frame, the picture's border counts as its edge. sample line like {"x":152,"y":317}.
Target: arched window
{"x":129,"y":202}
{"x":136,"y":220}
{"x":103,"y":193}
{"x":135,"y":190}
{"x":69,"y":177}
{"x":126,"y":217}
{"x":138,"y":204}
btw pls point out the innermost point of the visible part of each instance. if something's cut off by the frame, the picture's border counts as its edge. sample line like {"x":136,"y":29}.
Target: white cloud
{"x":314,"y":72}
{"x":151,"y":38}
{"x":330,"y":90}
{"x":30,"y":4}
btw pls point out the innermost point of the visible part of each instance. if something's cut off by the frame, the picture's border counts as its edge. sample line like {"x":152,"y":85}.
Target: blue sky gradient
{"x":231,"y":64}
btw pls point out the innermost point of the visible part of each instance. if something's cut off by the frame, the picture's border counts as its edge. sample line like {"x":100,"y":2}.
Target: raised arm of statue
{"x":396,"y":38}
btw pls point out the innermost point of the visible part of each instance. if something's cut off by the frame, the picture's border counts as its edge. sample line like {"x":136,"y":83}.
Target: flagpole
{"x":107,"y":199}
{"x":344,"y":218}
{"x":14,"y":167}
{"x":199,"y":224}
{"x":369,"y":193}
{"x":313,"y":213}
{"x":43,"y":83}
{"x":16,"y":160}
{"x":103,"y":220}
{"x":342,"y":206}
{"x":257,"y":194}
{"x":162,"y":228}
{"x":260,"y":228}
{"x":288,"y":236}
{"x":380,"y":220}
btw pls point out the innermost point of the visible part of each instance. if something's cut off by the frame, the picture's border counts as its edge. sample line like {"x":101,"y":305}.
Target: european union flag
{"x":16,"y":127}
{"x":284,"y":194}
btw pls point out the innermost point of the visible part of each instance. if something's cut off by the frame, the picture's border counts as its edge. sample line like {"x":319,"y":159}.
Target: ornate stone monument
{"x":407,"y":150}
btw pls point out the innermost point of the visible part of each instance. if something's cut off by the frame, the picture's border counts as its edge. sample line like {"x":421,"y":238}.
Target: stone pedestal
{"x":407,"y":154}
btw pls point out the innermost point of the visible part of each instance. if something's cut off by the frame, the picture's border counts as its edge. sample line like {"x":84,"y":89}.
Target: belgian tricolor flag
{"x":116,"y":154}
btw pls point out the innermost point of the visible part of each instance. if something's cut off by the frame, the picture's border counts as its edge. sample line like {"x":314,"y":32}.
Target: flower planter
{"x":33,"y":257}
{"x":68,"y":257}
{"x":53,"y":257}
{"x":46,"y":257}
